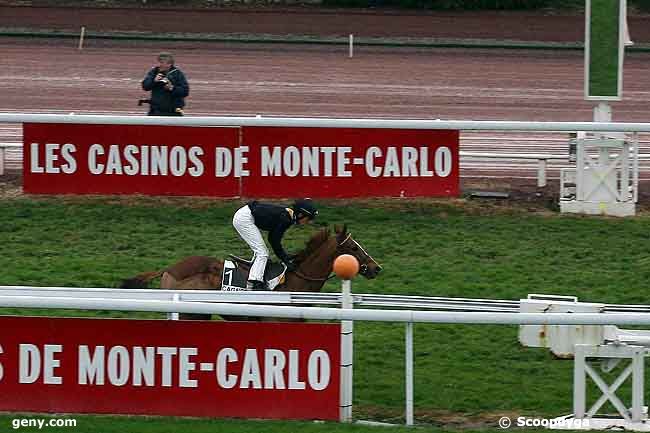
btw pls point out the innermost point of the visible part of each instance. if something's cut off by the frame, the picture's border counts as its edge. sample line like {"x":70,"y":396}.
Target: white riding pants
{"x":244,"y":223}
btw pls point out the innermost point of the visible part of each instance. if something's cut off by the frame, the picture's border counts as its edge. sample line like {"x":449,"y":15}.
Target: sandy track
{"x":305,"y":80}
{"x":510,"y":25}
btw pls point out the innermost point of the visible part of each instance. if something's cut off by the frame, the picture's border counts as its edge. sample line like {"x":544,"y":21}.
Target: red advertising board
{"x":233,"y":162}
{"x":351,"y":162}
{"x":176,"y":368}
{"x":126,"y":159}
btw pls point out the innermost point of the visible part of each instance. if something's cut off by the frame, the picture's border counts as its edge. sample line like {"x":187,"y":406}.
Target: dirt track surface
{"x":51,"y":75}
{"x":521,"y":26}
{"x":314,"y":80}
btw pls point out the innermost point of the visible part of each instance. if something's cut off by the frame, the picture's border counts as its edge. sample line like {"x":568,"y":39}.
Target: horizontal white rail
{"x":541,"y":160}
{"x":326,"y":122}
{"x":293,"y":298}
{"x":249,"y":297}
{"x":513,"y":155}
{"x":320,"y":313}
{"x":266,"y":297}
{"x":534,"y":156}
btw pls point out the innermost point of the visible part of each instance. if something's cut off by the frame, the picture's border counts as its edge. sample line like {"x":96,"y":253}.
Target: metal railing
{"x":232,"y":303}
{"x":540,"y":158}
{"x":363,"y":300}
{"x":234,"y":121}
{"x":313,"y":122}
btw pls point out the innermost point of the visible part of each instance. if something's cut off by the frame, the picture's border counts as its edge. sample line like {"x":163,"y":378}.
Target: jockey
{"x":275,"y":219}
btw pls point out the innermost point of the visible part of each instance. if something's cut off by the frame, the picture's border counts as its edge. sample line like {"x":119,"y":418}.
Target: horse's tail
{"x":140,"y":281}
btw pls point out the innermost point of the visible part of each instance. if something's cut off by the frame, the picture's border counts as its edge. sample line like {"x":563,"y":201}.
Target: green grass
{"x":434,"y":248}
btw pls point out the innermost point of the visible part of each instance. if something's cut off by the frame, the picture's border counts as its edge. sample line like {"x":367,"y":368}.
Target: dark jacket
{"x":163,"y":102}
{"x":275,"y":220}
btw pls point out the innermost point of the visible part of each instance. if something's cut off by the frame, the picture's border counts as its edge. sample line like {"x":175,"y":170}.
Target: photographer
{"x":168,"y":87}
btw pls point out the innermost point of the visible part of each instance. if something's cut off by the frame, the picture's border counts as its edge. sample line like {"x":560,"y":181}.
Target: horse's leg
{"x":169,"y":282}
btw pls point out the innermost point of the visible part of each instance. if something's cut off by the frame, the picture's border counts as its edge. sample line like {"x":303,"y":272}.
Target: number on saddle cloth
{"x":235,"y":274}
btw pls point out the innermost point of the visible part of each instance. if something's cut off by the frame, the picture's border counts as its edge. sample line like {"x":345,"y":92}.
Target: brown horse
{"x":314,"y":266}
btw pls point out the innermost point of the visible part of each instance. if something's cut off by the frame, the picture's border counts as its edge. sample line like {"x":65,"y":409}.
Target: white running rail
{"x":34,"y":297}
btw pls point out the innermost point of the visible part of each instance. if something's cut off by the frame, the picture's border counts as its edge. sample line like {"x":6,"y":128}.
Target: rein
{"x":306,"y":278}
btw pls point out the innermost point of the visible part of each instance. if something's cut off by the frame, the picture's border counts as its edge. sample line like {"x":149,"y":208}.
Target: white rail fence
{"x":541,"y":159}
{"x":455,"y":311}
{"x":520,"y":126}
{"x":314,"y":122}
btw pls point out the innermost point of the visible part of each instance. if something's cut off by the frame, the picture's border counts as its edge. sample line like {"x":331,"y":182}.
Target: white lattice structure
{"x":593,"y":348}
{"x":605,"y":180}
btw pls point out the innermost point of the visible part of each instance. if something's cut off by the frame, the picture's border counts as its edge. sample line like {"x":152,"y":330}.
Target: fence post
{"x":347,"y":356}
{"x":174,"y":316}
{"x":541,"y":172}
{"x":81,"y":38}
{"x":579,"y":382}
{"x":409,"y":373}
{"x":351,"y":46}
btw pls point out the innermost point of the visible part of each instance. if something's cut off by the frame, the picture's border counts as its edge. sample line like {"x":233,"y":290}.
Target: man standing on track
{"x":168,"y":87}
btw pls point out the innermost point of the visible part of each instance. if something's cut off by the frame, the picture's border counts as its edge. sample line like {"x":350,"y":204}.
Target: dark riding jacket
{"x":165,"y":102}
{"x":276,"y":220}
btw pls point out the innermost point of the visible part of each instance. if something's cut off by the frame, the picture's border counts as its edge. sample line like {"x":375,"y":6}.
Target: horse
{"x":314,"y":265}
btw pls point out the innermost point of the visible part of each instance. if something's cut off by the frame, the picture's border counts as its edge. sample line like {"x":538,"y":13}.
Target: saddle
{"x":236,"y":269}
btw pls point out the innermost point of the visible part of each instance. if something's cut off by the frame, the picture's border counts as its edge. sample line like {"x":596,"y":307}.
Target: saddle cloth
{"x":235,"y":274}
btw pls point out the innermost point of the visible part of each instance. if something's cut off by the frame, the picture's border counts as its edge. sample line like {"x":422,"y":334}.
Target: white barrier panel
{"x":62,"y":158}
{"x":159,"y":367}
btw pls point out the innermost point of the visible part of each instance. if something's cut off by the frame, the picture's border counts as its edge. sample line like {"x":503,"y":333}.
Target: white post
{"x":541,"y":173}
{"x":174,"y":316}
{"x":626,"y":30}
{"x":351,"y":50}
{"x":580,"y":169}
{"x":637,"y":385}
{"x":635,"y":165}
{"x":624,"y":191}
{"x":579,"y":383}
{"x":409,"y":373}
{"x":347,"y":356}
{"x":603,"y":112}
{"x":81,"y":38}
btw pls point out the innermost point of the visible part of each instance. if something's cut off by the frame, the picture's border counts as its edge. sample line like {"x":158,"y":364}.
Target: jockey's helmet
{"x":305,"y":207}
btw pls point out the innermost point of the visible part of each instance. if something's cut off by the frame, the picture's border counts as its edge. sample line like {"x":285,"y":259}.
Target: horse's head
{"x":346,"y":244}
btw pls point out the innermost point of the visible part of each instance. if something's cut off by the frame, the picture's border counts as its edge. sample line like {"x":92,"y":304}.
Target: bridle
{"x":362,"y":268}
